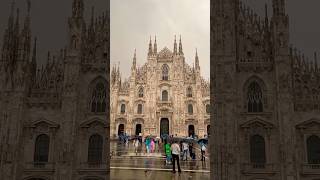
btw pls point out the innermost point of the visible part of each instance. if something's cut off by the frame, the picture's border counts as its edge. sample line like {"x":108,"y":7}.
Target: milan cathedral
{"x":165,"y":96}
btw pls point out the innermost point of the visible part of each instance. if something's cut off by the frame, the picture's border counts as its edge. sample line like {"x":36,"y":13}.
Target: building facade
{"x":54,"y":119}
{"x":165,"y":96}
{"x":266,"y":117}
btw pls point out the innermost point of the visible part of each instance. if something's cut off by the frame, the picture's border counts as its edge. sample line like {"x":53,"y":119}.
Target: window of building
{"x":254,"y":98}
{"x":122,"y":108}
{"x":95,"y":149}
{"x":257,"y":150}
{"x":41,"y":153}
{"x":140,"y":93}
{"x":98,"y":101}
{"x":165,"y":95}
{"x":139,"y":108}
{"x":190,"y":109}
{"x":313,"y":149}
{"x":165,"y":72}
{"x":189,"y":92}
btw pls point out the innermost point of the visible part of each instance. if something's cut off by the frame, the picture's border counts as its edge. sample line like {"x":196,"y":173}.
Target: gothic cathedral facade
{"x":165,"y":96}
{"x":266,"y":117}
{"x":48,"y":113}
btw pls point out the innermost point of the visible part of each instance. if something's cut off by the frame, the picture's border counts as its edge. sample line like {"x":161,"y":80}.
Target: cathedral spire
{"x":180,"y":47}
{"x":10,"y":20}
{"x":77,"y":9}
{"x":279,"y":7}
{"x":197,"y":60}
{"x":34,"y":53}
{"x":175,"y":45}
{"x":17,"y":25}
{"x":266,"y":16}
{"x":155,"y":46}
{"x":150,"y":48}
{"x":315,"y":62}
{"x":134,"y":59}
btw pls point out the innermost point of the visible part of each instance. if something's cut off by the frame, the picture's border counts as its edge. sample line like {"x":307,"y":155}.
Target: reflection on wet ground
{"x":126,"y":164}
{"x":117,"y":174}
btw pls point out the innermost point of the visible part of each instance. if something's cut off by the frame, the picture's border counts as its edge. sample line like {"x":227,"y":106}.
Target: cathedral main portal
{"x":164,"y":127}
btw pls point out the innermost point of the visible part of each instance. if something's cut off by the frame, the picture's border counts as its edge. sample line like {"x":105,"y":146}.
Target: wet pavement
{"x":120,"y":174}
{"x":127,"y":164}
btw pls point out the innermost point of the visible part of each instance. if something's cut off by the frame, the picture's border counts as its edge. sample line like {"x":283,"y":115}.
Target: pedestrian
{"x":175,"y":150}
{"x":148,"y":144}
{"x":185,"y":148}
{"x":136,"y":146}
{"x":192,"y":154}
{"x":168,"y":153}
{"x":203,"y":150}
{"x":152,"y":145}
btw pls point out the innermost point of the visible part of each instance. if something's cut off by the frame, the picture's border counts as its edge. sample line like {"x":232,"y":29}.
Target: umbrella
{"x":151,"y":136}
{"x":189,"y":140}
{"x":203,"y":141}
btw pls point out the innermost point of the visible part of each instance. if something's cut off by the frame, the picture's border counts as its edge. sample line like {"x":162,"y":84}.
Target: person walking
{"x":175,"y":150}
{"x":148,"y":144}
{"x":185,"y":148}
{"x":203,"y":150}
{"x":136,"y":146}
{"x":168,"y":153}
{"x":192,"y":154}
{"x":152,"y":145}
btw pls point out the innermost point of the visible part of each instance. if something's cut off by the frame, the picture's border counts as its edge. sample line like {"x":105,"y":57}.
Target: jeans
{"x":168,"y":158}
{"x":185,"y":154}
{"x":174,"y":158}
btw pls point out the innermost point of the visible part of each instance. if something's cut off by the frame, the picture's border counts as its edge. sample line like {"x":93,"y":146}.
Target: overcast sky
{"x":133,"y":21}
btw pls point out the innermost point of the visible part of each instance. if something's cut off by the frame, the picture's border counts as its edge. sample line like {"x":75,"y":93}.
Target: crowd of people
{"x":172,"y":148}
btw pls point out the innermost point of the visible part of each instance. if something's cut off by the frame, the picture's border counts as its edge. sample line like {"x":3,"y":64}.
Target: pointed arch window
{"x":313,"y":149}
{"x":190,"y":109}
{"x":122,"y":108}
{"x":165,"y":72}
{"x":95,"y":149}
{"x":254,"y":98}
{"x":98,"y":101}
{"x":139,"y":109}
{"x":41,"y":152}
{"x":165,"y":96}
{"x":189,"y":92}
{"x":140,"y":92}
{"x":257,"y":150}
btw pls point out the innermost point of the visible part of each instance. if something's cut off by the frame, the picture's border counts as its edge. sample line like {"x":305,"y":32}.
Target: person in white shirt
{"x":185,"y":147}
{"x":175,"y":150}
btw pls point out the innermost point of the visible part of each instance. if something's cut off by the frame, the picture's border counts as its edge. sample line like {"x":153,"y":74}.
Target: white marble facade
{"x":163,"y":96}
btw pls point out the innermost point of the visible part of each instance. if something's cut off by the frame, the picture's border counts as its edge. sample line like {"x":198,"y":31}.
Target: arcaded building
{"x":164,"y":96}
